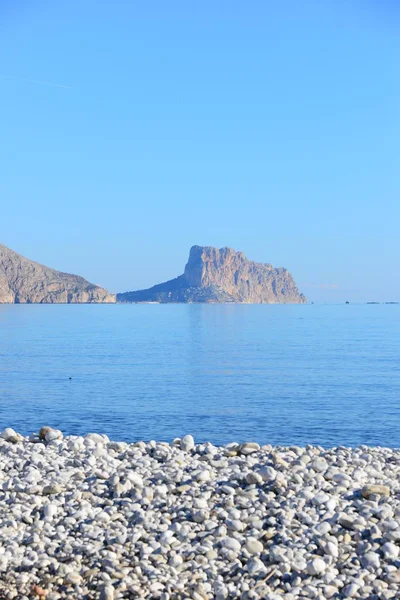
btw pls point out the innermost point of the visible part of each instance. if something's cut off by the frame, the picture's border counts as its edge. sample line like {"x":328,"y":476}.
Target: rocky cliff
{"x":213,"y":275}
{"x":25,"y":281}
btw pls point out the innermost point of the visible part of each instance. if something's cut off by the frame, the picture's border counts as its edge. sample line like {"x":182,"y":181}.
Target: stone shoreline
{"x":83,"y":517}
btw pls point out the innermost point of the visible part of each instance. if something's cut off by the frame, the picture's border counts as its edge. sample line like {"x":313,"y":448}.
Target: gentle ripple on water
{"x":294,"y":374}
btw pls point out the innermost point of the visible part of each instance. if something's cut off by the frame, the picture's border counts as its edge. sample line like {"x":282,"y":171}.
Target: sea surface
{"x":281,"y":374}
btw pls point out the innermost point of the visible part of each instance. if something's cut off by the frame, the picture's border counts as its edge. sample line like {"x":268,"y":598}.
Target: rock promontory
{"x":23,"y":281}
{"x":223,"y":275}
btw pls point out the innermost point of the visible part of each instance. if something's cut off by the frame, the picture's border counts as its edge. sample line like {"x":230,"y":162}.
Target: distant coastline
{"x":211,"y":276}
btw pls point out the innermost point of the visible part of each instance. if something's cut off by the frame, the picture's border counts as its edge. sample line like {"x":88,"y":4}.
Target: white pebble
{"x":231,"y":544}
{"x":371,"y":561}
{"x":107,"y":593}
{"x":390,"y":550}
{"x":316,"y":566}
{"x":254,"y":546}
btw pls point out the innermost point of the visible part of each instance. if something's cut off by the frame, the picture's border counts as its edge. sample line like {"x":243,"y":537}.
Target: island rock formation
{"x":25,"y":281}
{"x":213,"y":275}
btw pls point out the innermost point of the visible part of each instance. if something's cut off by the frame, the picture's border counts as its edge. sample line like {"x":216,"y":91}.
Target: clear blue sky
{"x":133,"y":130}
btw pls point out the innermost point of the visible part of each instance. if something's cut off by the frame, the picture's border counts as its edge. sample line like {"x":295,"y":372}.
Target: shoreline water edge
{"x":85,"y":517}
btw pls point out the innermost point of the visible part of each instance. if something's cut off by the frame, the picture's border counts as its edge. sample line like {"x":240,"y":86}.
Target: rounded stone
{"x":351,"y":590}
{"x":53,"y":434}
{"x":370,"y":561}
{"x":187,"y":443}
{"x":43,"y":431}
{"x":323,"y":528}
{"x":253,"y":546}
{"x":390,"y":550}
{"x":319,"y":465}
{"x":249,"y":448}
{"x":49,"y":511}
{"x":331,"y":549}
{"x":231,"y":544}
{"x":52,"y":489}
{"x":316,"y":566}
{"x":267,"y":474}
{"x":254,"y":565}
{"x":9,"y":435}
{"x":73,"y":578}
{"x":380,"y":490}
{"x":107,"y":592}
{"x":330,"y":591}
{"x":253,"y":478}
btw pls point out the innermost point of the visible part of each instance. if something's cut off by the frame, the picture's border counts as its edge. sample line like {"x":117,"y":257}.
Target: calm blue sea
{"x":319,"y":374}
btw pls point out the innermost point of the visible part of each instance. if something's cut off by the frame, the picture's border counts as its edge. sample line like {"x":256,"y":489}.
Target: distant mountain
{"x":213,"y":275}
{"x":25,"y":281}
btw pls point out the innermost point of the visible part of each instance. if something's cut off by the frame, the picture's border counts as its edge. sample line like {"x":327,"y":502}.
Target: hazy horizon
{"x":132,"y":132}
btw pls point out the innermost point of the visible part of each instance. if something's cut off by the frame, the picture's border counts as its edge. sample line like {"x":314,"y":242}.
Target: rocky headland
{"x":223,"y":275}
{"x":24,"y":281}
{"x":85,"y":517}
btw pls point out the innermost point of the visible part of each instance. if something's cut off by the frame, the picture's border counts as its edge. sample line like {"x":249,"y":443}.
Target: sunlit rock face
{"x":23,"y":281}
{"x":222,"y":275}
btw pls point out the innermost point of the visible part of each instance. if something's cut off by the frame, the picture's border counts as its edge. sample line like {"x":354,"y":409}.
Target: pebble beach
{"x":90,"y":518}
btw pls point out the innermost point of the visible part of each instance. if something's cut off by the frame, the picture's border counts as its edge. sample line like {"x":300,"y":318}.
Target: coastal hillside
{"x":213,"y":276}
{"x":25,"y":281}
